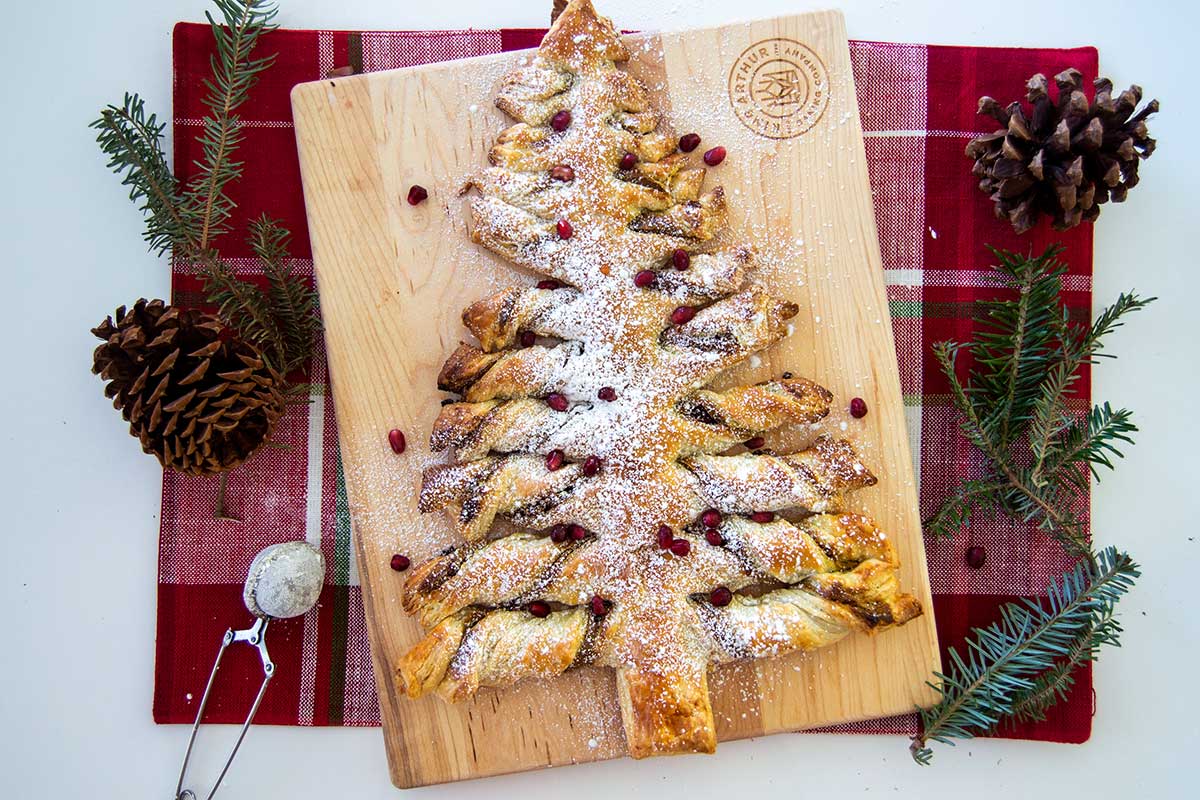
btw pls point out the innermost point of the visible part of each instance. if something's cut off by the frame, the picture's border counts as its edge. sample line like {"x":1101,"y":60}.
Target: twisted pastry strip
{"x":520,"y":486}
{"x":497,"y":320}
{"x":534,"y":192}
{"x":473,"y":649}
{"x":502,"y":572}
{"x":843,"y":556}
{"x":643,"y":122}
{"x":712,"y":275}
{"x":700,"y":219}
{"x":719,"y":420}
{"x":482,"y":489}
{"x":724,"y":333}
{"x":775,"y":623}
{"x":819,"y":612}
{"x":526,"y":182}
{"x":719,"y":336}
{"x":522,"y":148}
{"x":711,"y":421}
{"x":480,"y":376}
{"x":501,"y":426}
{"x":531,"y":241}
{"x":813,"y":480}
{"x":530,"y":93}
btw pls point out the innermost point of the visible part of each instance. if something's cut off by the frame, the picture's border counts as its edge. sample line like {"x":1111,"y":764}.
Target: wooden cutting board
{"x":393,"y":279}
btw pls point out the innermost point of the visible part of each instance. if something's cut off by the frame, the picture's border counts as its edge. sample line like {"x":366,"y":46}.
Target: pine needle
{"x":244,"y":307}
{"x":133,"y":143}
{"x":1016,"y":664}
{"x":291,"y":301}
{"x":234,"y":73}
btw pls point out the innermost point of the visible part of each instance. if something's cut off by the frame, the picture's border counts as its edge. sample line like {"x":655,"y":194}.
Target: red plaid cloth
{"x":918,"y":111}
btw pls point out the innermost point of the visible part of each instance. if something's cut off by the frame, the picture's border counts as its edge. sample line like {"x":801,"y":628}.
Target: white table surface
{"x":79,"y":563}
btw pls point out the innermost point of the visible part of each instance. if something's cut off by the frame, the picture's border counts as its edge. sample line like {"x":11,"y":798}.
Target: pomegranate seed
{"x":976,"y":555}
{"x":578,"y":532}
{"x":607,"y":394}
{"x":644,"y":279}
{"x":562,"y":173}
{"x":557,"y":401}
{"x":858,"y":408}
{"x":549,"y":284}
{"x":417,"y":195}
{"x":665,"y":536}
{"x":591,"y":465}
{"x":689,"y":142}
{"x":762,"y":516}
{"x":564,"y":229}
{"x":714,"y":537}
{"x":554,"y":460}
{"x":682,"y":314}
{"x":714,"y":156}
{"x":681,"y":547}
{"x":711,"y":518}
{"x":528,"y":338}
{"x":559,"y":533}
{"x":720,"y":596}
{"x":400,"y":563}
{"x":561,"y":121}
{"x":787,"y":376}
{"x":599,"y":605}
{"x":396,"y":440}
{"x":628,"y":161}
{"x":539,"y":608}
{"x":681,"y":259}
{"x":754,"y":442}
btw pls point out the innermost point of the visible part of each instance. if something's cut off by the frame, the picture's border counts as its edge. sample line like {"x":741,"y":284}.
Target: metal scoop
{"x":284,"y":581}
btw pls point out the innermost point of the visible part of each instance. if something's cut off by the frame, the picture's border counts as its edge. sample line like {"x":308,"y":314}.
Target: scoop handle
{"x":255,"y":635}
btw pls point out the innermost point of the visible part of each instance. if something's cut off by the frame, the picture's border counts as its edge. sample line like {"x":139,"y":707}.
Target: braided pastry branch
{"x":814,"y":480}
{"x":708,"y":421}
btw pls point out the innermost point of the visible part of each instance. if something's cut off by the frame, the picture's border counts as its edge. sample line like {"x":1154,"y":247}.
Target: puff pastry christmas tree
{"x":640,"y":543}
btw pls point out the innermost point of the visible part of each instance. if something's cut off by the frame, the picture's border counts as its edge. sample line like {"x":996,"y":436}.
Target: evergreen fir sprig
{"x":292,"y":302}
{"x":1020,"y":664}
{"x":1038,"y":455}
{"x":282,"y":320}
{"x":1052,"y":686}
{"x":133,"y":143}
{"x":234,"y":73}
{"x":1038,"y":458}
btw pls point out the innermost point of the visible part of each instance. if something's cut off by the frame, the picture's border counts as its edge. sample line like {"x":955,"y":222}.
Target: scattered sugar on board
{"x":775,"y":258}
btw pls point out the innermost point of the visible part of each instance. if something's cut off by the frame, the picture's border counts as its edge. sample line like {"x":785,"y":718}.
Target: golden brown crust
{"x":666,"y":714}
{"x":504,"y":647}
{"x":422,"y":668}
{"x":631,"y":439}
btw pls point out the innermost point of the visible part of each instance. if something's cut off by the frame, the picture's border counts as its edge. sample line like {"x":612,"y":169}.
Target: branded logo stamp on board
{"x":778,"y":88}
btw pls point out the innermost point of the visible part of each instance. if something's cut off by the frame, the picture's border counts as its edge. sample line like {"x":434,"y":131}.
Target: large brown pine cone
{"x":1062,"y":157}
{"x":198,"y":398}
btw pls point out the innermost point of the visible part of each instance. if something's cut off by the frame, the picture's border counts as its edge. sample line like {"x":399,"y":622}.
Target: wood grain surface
{"x":394,"y":278}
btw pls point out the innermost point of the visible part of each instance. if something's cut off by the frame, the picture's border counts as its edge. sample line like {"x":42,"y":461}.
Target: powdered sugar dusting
{"x":620,"y":337}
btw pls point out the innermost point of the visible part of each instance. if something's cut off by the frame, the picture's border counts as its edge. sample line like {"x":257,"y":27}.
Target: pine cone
{"x":197,"y":398}
{"x":1066,"y":156}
